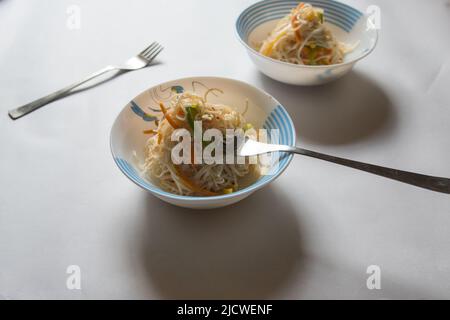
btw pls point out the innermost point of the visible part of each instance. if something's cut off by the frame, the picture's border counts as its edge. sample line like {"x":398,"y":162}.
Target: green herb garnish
{"x":191,"y":113}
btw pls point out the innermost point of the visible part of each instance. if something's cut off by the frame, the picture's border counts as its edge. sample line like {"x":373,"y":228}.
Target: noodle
{"x":301,"y":38}
{"x":194,"y":179}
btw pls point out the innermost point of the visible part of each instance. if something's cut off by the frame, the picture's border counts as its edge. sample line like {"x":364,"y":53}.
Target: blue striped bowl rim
{"x":277,"y":119}
{"x":336,"y":13}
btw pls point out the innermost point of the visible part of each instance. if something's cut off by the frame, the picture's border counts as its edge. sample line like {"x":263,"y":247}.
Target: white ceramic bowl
{"x":347,"y":24}
{"x":128,"y":141}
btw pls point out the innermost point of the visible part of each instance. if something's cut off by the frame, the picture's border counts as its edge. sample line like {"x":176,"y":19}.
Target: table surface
{"x":311,"y":234}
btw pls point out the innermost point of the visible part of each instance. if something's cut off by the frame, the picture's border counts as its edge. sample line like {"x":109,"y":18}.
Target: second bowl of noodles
{"x":305,"y":43}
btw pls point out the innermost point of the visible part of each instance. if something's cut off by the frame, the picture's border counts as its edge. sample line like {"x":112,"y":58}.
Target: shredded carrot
{"x":169,"y":119}
{"x":192,"y":185}
{"x":295,"y":25}
{"x":300,"y":5}
{"x":298,"y":35}
{"x":180,"y":112}
{"x":160,"y":136}
{"x":150,"y":131}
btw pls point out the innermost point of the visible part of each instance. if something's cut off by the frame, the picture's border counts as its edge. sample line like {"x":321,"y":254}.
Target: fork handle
{"x":29,"y":107}
{"x":419,"y":180}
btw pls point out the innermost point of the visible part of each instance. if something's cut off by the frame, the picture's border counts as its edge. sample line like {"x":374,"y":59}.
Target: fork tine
{"x":151,"y":52}
{"x":150,"y":47}
{"x":155,"y":54}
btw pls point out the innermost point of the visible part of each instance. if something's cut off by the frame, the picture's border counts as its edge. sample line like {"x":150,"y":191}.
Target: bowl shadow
{"x":245,"y":251}
{"x":345,"y":111}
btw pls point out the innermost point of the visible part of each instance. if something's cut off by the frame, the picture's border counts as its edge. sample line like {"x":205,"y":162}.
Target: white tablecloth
{"x":311,"y":234}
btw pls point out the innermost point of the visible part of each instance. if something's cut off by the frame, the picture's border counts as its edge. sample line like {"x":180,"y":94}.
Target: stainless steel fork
{"x":439,"y":184}
{"x":141,"y":60}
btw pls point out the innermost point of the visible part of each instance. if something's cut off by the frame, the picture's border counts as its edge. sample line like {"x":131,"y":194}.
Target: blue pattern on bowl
{"x":337,"y":13}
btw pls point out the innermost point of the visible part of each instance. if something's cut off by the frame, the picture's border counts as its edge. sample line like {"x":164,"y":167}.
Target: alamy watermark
{"x":73,"y":21}
{"x":213,"y":146}
{"x":73,"y":281}
{"x":374,"y":17}
{"x":374,"y":280}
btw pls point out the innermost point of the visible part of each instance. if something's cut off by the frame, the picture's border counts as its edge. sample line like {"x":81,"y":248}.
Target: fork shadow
{"x":245,"y":251}
{"x":345,"y":111}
